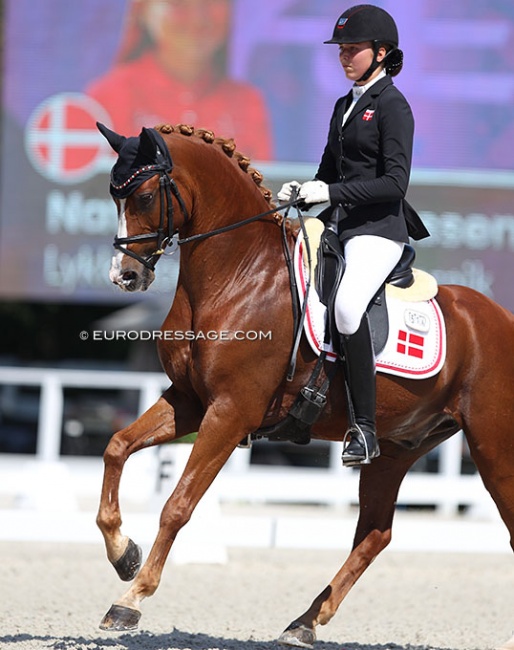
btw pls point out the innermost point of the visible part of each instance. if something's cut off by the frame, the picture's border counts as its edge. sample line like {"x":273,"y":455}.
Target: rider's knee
{"x":347,"y":321}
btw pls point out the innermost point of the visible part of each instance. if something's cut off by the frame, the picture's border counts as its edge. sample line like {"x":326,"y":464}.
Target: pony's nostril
{"x":128,"y":276}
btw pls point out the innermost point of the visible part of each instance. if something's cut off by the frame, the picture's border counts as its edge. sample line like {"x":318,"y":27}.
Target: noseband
{"x":163,"y":235}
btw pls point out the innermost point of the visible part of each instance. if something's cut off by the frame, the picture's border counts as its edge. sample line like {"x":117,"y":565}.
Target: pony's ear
{"x":147,"y":144}
{"x":114,"y":139}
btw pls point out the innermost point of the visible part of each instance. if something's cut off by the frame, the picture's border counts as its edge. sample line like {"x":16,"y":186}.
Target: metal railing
{"x":447,"y":489}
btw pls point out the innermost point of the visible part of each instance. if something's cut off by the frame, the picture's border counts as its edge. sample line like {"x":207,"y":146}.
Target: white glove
{"x":314,"y":192}
{"x":286,"y":191}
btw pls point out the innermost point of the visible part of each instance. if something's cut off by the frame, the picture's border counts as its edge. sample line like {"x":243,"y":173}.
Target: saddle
{"x":327,"y":268}
{"x":330,"y":265}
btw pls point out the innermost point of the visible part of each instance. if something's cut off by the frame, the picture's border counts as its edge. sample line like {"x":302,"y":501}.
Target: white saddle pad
{"x":416,"y":345}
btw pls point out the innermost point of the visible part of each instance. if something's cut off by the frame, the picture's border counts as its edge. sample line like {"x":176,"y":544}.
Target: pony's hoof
{"x":120,"y":619}
{"x":129,"y":563}
{"x":298,"y":636}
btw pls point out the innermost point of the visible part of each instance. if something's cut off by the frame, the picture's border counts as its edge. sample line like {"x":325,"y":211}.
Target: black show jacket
{"x":367,"y":163}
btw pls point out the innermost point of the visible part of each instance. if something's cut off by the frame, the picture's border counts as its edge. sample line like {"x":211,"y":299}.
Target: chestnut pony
{"x":226,"y":387}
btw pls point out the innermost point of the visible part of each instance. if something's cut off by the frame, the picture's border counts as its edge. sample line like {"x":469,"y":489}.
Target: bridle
{"x":163,"y":235}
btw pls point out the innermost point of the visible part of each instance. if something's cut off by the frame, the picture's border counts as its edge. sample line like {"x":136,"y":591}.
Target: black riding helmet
{"x":369,"y":23}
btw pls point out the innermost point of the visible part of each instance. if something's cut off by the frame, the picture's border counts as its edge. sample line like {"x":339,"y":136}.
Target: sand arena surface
{"x":54,"y":595}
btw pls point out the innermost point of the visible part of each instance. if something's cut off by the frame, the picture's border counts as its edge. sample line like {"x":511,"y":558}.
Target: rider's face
{"x":357,"y":57}
{"x":188,"y":29}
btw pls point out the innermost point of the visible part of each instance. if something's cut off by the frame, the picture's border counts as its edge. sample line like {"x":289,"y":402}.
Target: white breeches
{"x":369,"y":260}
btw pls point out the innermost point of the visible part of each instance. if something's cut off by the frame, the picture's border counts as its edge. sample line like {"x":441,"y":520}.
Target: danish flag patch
{"x":368,"y":115}
{"x":410,"y":344}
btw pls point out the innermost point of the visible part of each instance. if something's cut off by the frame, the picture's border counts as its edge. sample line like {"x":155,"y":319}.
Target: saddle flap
{"x":330,"y":267}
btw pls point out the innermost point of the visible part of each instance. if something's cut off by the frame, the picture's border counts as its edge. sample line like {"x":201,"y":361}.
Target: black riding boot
{"x":359,"y":366}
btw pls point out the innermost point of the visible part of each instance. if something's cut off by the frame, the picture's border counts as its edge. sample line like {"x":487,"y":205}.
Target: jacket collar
{"x":365,"y":101}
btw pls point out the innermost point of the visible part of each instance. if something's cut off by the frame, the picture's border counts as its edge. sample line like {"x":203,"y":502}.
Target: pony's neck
{"x":224,"y":194}
{"x":239,"y":257}
{"x":224,"y":191}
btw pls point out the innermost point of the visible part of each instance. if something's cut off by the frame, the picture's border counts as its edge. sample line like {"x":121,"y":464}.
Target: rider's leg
{"x":359,"y":367}
{"x":369,"y":260}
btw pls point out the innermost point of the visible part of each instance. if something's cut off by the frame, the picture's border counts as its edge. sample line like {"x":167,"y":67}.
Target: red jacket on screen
{"x":140,"y":93}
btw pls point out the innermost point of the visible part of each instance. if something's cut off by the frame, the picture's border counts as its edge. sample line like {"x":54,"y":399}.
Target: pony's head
{"x":144,"y":195}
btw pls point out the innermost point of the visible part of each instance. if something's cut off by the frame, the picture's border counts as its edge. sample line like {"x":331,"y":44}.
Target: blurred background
{"x":257,"y":72}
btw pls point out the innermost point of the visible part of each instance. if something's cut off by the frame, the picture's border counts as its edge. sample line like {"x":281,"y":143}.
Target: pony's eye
{"x":146,"y":198}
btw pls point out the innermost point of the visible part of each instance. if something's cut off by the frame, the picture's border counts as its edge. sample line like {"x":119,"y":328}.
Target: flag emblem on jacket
{"x":368,"y":115}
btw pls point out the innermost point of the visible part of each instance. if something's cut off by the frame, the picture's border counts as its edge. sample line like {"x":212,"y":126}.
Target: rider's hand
{"x":286,"y":191}
{"x":314,"y":192}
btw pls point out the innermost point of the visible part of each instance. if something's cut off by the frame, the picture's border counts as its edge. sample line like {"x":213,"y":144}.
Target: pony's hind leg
{"x":379,"y":485}
{"x":156,"y":426}
{"x":490,"y":438}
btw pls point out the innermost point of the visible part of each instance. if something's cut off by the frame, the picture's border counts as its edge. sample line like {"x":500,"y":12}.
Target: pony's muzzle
{"x":129,"y":275}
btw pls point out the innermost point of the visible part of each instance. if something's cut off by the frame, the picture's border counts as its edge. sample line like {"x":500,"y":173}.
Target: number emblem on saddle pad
{"x":416,"y":320}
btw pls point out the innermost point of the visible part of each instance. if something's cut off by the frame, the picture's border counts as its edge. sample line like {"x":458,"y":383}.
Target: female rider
{"x":363,"y":178}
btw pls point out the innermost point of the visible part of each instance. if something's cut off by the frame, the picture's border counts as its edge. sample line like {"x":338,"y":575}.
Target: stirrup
{"x":353,"y":460}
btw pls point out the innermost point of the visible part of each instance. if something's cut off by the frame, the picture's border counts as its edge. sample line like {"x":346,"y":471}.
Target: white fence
{"x":240,"y":481}
{"x":50,"y":497}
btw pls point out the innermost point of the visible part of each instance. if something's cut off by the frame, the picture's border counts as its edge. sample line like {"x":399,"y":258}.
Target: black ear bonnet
{"x":139,"y":158}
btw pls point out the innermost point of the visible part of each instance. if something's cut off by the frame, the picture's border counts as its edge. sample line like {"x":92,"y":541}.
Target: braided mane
{"x":228,"y":146}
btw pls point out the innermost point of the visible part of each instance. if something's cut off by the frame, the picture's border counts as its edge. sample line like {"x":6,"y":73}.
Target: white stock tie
{"x":357,"y":92}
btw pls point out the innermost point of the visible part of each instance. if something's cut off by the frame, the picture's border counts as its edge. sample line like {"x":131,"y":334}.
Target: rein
{"x":233,"y":226}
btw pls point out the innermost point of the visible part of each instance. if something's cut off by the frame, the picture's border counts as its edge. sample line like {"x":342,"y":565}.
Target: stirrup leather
{"x":352,"y":460}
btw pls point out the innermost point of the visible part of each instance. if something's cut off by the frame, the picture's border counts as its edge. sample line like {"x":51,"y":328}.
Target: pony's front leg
{"x":211,"y":450}
{"x":156,"y":426}
{"x":379,"y":485}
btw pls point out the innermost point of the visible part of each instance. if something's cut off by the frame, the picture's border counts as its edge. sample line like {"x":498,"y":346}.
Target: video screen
{"x":257,"y":72}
